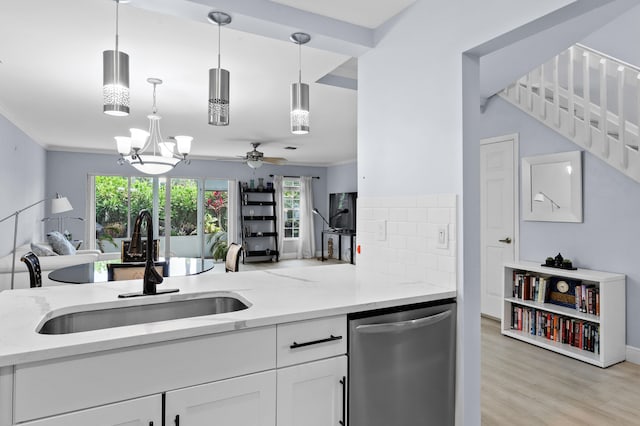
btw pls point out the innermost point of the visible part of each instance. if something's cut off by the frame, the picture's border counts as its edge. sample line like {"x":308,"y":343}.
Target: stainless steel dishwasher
{"x":402,"y":366}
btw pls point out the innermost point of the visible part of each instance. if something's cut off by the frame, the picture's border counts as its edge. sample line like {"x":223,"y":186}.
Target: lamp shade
{"x":115,"y":83}
{"x":218,"y":97}
{"x":60,"y":205}
{"x":153,"y":164}
{"x":538,"y":197}
{"x":299,"y":108}
{"x":123,"y":144}
{"x":254,"y":164}
{"x":184,"y":144}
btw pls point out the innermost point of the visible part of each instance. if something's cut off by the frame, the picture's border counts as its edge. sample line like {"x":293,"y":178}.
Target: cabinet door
{"x":241,"y":401}
{"x":136,"y":412}
{"x":313,"y":394}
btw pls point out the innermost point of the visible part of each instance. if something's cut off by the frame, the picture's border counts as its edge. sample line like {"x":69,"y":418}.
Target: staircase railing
{"x":591,"y":98}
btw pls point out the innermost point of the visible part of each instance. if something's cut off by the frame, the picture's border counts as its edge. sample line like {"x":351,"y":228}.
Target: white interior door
{"x":498,"y":216}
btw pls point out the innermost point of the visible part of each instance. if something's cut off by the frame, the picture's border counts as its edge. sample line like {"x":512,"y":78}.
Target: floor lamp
{"x":58,"y":205}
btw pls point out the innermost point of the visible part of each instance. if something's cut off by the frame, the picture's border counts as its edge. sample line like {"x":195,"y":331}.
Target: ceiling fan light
{"x":254,"y":164}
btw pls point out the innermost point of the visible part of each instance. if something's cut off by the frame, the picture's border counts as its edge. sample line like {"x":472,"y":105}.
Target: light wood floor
{"x":287,"y":263}
{"x":526,"y":385}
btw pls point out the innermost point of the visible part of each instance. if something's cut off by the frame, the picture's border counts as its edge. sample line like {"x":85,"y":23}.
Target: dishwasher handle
{"x":403,"y":325}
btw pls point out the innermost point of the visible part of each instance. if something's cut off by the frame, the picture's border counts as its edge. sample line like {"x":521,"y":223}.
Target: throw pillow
{"x":42,"y":250}
{"x":60,"y":244}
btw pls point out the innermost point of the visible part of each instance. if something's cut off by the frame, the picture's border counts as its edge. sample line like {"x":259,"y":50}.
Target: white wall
{"x":68,"y":172}
{"x":608,"y":237}
{"x":410,"y":129}
{"x":342,"y":178}
{"x":22,"y":182}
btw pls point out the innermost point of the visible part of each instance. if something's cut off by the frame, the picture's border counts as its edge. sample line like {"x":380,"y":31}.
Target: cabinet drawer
{"x":47,"y":388}
{"x":304,"y":341}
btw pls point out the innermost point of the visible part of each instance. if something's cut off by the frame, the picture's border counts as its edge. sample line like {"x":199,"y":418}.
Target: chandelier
{"x":162,"y":155}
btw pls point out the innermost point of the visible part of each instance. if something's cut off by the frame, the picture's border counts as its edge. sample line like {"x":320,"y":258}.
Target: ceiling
{"x":51,"y":74}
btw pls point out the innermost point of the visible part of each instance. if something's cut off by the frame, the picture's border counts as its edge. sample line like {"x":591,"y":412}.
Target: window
{"x":291,"y":204}
{"x":194,"y":222}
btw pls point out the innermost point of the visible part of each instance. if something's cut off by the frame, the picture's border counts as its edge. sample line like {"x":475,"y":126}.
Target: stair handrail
{"x":608,"y":57}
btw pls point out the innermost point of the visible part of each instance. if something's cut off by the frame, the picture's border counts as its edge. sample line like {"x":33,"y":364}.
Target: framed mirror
{"x":552,"y":187}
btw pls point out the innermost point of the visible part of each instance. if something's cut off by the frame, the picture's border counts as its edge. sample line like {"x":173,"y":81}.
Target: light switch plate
{"x":442,"y":238}
{"x":381,"y":230}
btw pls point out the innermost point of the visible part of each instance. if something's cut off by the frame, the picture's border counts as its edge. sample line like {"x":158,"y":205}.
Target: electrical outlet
{"x":381,"y":230}
{"x":442,"y":239}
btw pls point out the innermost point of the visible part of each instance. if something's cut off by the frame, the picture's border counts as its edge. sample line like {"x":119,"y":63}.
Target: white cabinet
{"x":137,"y":412}
{"x":313,"y":394}
{"x":241,"y":401}
{"x":562,"y":328}
{"x":241,"y":378}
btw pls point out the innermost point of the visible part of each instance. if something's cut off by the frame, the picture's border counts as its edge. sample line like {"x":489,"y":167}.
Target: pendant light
{"x":115,"y":77}
{"x":300,"y":92}
{"x":219,"y":80}
{"x":163,"y":155}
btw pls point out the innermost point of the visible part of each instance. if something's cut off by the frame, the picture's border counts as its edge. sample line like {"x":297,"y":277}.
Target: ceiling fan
{"x":255,"y":158}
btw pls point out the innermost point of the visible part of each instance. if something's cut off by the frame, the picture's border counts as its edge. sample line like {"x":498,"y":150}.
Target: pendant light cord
{"x":117,"y":6}
{"x":300,"y":63}
{"x":219,"y":47}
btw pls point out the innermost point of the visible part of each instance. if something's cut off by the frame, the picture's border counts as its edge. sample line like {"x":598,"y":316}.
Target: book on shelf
{"x":584,"y":297}
{"x":578,"y":333}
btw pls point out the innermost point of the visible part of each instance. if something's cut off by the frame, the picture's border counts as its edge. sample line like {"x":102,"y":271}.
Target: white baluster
{"x":556,"y":90}
{"x":542,"y":95}
{"x":622,"y":124}
{"x":570,"y":89}
{"x":604,"y":122}
{"x":586,"y":92}
{"x":530,"y":90}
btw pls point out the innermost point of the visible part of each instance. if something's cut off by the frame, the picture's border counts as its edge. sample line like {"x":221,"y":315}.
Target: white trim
{"x":633,"y":355}
{"x":515,"y":137}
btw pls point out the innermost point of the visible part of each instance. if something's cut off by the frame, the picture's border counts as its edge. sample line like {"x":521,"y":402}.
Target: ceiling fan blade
{"x":274,"y":160}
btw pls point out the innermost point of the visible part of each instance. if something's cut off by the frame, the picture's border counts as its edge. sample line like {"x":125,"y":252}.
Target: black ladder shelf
{"x":259,"y":225}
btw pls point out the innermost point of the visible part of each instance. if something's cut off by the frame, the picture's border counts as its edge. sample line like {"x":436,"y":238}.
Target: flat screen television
{"x":342,"y":211}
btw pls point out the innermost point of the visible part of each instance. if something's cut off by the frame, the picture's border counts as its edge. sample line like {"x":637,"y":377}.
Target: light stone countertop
{"x":275,"y":296}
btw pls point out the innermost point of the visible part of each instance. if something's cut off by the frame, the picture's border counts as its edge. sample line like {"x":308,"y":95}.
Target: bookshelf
{"x":258,"y":222}
{"x":606,"y":329}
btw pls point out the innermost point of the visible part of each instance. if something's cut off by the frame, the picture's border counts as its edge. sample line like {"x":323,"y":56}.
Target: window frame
{"x":287,"y":187}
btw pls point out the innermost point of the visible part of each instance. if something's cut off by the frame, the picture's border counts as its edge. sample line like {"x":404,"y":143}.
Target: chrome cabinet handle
{"x":506,"y":240}
{"x":331,"y":338}
{"x":403,"y":325}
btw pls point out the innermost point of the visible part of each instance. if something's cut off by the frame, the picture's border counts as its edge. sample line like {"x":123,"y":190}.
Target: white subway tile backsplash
{"x":427,"y":201}
{"x":398,"y":214}
{"x":380,"y":213}
{"x":419,"y":214}
{"x":407,"y":228}
{"x":438,"y":215}
{"x":409,"y":249}
{"x":447,"y":200}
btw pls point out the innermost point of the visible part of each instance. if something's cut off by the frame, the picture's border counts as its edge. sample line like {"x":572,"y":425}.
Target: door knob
{"x":506,"y":240}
